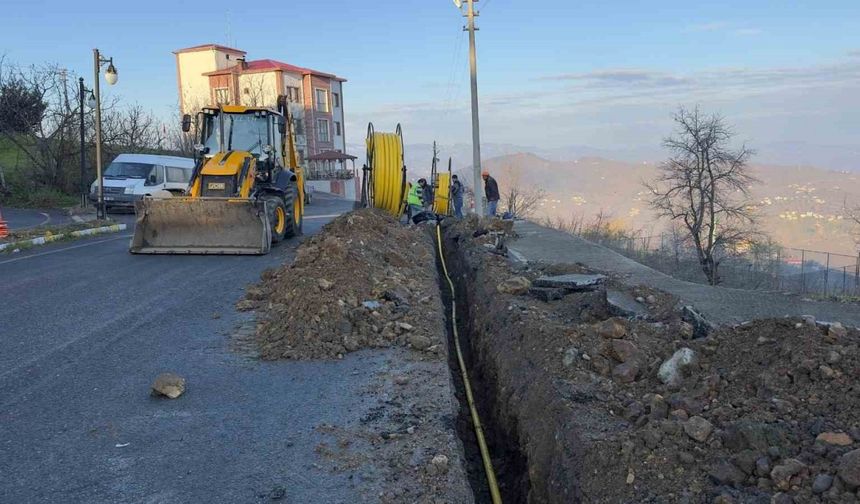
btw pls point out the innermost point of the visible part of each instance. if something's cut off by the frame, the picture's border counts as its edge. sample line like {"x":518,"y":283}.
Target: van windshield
{"x":121,"y":170}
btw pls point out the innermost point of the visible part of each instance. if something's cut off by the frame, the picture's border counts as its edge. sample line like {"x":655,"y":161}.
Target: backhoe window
{"x":213,"y":128}
{"x":246,"y":132}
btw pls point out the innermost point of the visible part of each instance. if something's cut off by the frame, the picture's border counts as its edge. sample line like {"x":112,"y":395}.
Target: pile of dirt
{"x":612,"y":410}
{"x":364,"y":281}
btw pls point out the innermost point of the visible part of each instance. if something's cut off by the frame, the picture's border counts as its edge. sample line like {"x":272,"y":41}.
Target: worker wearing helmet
{"x":415,"y":198}
{"x":491,"y":190}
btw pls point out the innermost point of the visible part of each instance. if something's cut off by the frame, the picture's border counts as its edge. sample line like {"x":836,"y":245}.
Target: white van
{"x":130,"y":177}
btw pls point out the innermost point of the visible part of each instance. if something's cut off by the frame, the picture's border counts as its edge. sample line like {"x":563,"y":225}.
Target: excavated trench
{"x":508,"y":460}
{"x":525,"y":422}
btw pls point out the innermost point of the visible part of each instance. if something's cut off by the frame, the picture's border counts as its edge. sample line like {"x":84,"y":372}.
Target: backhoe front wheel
{"x":279,"y":217}
{"x":294,"y":207}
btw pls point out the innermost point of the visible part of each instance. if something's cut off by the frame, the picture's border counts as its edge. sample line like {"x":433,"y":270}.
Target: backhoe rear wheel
{"x":279,"y":216}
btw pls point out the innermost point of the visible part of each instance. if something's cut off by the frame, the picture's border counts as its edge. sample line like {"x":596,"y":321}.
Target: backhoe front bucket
{"x":183,"y":225}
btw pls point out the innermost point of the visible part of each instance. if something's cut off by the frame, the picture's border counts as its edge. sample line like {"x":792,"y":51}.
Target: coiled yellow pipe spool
{"x":387,"y":171}
{"x":441,"y":199}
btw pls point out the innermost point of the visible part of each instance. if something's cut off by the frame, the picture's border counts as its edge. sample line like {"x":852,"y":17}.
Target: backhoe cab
{"x":246,"y":191}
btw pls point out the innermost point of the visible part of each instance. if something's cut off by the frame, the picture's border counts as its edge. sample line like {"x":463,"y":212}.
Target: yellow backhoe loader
{"x":246,"y":191}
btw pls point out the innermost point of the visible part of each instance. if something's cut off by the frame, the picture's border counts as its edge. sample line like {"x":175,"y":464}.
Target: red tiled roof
{"x":330,"y":156}
{"x":206,"y":47}
{"x":266,"y":65}
{"x":270,"y":64}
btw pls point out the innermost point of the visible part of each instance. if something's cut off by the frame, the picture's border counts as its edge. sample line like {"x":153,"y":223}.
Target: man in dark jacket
{"x":457,"y":196}
{"x":491,"y":190}
{"x":427,"y":197}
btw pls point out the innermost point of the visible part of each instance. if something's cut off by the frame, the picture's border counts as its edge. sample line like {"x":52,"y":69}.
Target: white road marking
{"x":64,"y":249}
{"x":329,"y":216}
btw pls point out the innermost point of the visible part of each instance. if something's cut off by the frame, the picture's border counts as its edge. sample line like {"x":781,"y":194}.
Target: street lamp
{"x":110,"y":77}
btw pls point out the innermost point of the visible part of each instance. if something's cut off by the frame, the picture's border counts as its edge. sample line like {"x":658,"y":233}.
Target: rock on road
{"x":85,"y":327}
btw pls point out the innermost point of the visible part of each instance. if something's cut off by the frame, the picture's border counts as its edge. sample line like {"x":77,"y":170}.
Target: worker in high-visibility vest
{"x":415,"y":198}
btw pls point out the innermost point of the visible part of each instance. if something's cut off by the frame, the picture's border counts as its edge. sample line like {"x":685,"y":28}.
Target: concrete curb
{"x":41,"y":240}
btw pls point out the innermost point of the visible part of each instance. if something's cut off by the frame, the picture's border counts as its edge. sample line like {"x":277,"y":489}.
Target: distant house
{"x":213,"y":74}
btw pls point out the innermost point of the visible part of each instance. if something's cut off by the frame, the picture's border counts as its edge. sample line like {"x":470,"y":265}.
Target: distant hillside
{"x":802,"y":207}
{"x":418,"y":155}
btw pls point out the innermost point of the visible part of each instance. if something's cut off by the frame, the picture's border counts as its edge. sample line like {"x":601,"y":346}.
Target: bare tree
{"x":522,"y":201}
{"x":572,"y":225}
{"x":41,"y":119}
{"x":854,"y":215}
{"x":45,"y":135}
{"x":519,"y":199}
{"x":705,"y":186}
{"x":255,"y":93}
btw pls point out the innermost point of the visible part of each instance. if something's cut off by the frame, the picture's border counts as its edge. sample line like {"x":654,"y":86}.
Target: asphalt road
{"x":22,"y":218}
{"x":85,"y":327}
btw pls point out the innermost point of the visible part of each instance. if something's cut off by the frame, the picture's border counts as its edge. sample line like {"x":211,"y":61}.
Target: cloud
{"x":634,"y":87}
{"x":747,"y":32}
{"x":620,"y":78}
{"x":724,"y":79}
{"x":723,"y":27}
{"x":706,"y":27}
{"x":854,"y":53}
{"x":627,"y":106}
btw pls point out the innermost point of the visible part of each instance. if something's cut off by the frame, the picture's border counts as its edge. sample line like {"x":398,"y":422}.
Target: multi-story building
{"x":213,"y":74}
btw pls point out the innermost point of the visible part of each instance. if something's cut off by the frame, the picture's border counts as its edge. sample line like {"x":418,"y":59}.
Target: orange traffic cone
{"x":4,"y":229}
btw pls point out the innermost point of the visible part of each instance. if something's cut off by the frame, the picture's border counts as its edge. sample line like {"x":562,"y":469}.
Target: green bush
{"x":38,"y":198}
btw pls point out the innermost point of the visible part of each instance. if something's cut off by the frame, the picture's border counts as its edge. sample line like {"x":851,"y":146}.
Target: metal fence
{"x":773,"y":268}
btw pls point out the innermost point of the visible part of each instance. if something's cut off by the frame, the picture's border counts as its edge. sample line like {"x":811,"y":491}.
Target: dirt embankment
{"x":366,"y":283}
{"x":612,"y":410}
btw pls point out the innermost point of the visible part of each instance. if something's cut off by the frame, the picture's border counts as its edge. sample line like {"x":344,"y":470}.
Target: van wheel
{"x":279,"y":217}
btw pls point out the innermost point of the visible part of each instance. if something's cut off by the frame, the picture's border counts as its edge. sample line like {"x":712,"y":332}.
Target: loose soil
{"x":366,"y":284}
{"x":365,"y":281}
{"x":768,"y":411}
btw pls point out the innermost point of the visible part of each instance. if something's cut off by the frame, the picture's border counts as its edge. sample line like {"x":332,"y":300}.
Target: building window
{"x":322,"y":130}
{"x":335,"y":98}
{"x":321,"y":100}
{"x":222,"y":96}
{"x":293,"y":94}
{"x":301,"y":154}
{"x":298,"y":126}
{"x":337,"y":127}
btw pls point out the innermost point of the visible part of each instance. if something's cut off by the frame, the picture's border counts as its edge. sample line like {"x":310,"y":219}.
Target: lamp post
{"x":91,"y":102}
{"x":110,"y":77}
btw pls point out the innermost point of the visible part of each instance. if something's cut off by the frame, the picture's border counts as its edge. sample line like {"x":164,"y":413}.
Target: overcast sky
{"x":607,"y":74}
